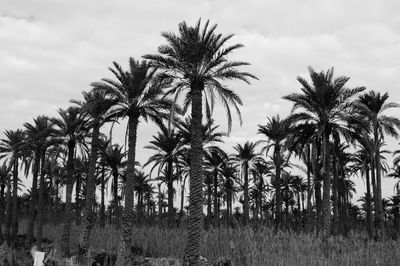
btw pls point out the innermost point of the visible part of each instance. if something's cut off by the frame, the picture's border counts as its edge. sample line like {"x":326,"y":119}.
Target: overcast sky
{"x":52,"y":50}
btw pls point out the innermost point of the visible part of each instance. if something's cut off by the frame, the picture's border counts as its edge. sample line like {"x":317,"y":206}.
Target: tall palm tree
{"x":97,"y":109}
{"x":39,"y":136}
{"x":138,"y":96}
{"x":245,"y":157}
{"x":11,"y":150}
{"x":325,"y":102}
{"x":71,"y":129}
{"x":196,"y":61}
{"x":372,"y":106}
{"x":168,"y":145}
{"x":277,"y":130}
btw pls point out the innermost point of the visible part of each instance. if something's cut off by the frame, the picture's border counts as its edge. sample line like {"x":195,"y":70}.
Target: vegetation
{"x":285,"y":199}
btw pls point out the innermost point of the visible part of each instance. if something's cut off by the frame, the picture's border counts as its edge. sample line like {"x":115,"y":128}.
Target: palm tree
{"x":97,"y":109}
{"x":39,"y":136}
{"x":229,"y":188}
{"x":245,"y":157}
{"x":114,"y":158}
{"x":71,"y":128}
{"x":168,"y":145}
{"x":11,"y":149}
{"x":5,"y":181}
{"x":214,"y":159}
{"x":325,"y":102}
{"x":138,"y":96}
{"x":196,"y":61}
{"x":372,"y":106}
{"x":277,"y":130}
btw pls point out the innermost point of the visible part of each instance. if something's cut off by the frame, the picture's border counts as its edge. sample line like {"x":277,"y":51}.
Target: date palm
{"x":277,"y":130}
{"x":196,"y":61}
{"x":245,"y":157}
{"x":11,"y":150}
{"x":138,"y":96}
{"x":167,"y":145}
{"x":70,"y":128}
{"x":372,"y":106}
{"x":325,"y":102}
{"x":114,"y":158}
{"x":96,"y":107}
{"x":5,"y":182}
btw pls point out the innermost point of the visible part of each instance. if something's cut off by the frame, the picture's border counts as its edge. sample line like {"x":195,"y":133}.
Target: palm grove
{"x":298,"y":176}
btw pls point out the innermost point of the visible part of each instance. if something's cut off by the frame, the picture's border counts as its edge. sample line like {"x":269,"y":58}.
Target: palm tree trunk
{"x":124,"y":250}
{"x":8,"y":212}
{"x":309,"y":207}
{"x":326,"y":197}
{"x":209,"y":215}
{"x":246,"y":194}
{"x":373,"y":179}
{"x":33,"y":202}
{"x":368,"y":199}
{"x":39,"y":232}
{"x":68,"y":196}
{"x":115,"y":194}
{"x":215,"y":197}
{"x":336,"y":221}
{"x":78,"y":200}
{"x":278,"y":196}
{"x":170,"y":187}
{"x":88,"y":217}
{"x":2,"y":207}
{"x":192,"y":250}
{"x":182,"y":202}
{"x":102,"y":206}
{"x":14,"y":219}
{"x":379,"y":209}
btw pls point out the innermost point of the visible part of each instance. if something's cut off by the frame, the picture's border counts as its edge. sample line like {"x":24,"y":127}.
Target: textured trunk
{"x":209,"y":215}
{"x":78,"y":200}
{"x":33,"y":202}
{"x":246,"y":194}
{"x":14,"y":219}
{"x":318,"y":203}
{"x":182,"y":201}
{"x":8,"y":211}
{"x":278,"y":196}
{"x":379,"y":210}
{"x":326,"y":197}
{"x":170,"y":186}
{"x":115,"y":194}
{"x":68,"y":208}
{"x":368,"y":199}
{"x":373,"y":180}
{"x":336,"y":221}
{"x":39,"y":232}
{"x":2,"y":207}
{"x":215,"y":197}
{"x":88,"y":217}
{"x":102,"y":206}
{"x":124,"y":250}
{"x":192,"y":250}
{"x":309,"y":206}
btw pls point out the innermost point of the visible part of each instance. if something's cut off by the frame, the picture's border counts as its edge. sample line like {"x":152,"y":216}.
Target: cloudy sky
{"x":50,"y":51}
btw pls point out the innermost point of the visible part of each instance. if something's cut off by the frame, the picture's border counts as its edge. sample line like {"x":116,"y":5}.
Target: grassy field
{"x":250,"y":247}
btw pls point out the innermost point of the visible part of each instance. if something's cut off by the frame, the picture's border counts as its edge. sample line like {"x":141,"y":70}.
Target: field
{"x":250,"y":247}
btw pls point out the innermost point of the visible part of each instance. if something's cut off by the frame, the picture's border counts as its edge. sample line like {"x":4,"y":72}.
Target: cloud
{"x":50,"y":50}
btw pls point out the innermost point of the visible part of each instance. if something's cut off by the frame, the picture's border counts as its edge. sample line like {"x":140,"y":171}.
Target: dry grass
{"x":261,"y":247}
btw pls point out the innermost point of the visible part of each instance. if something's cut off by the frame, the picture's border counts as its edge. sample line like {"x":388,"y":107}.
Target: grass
{"x":249,"y":247}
